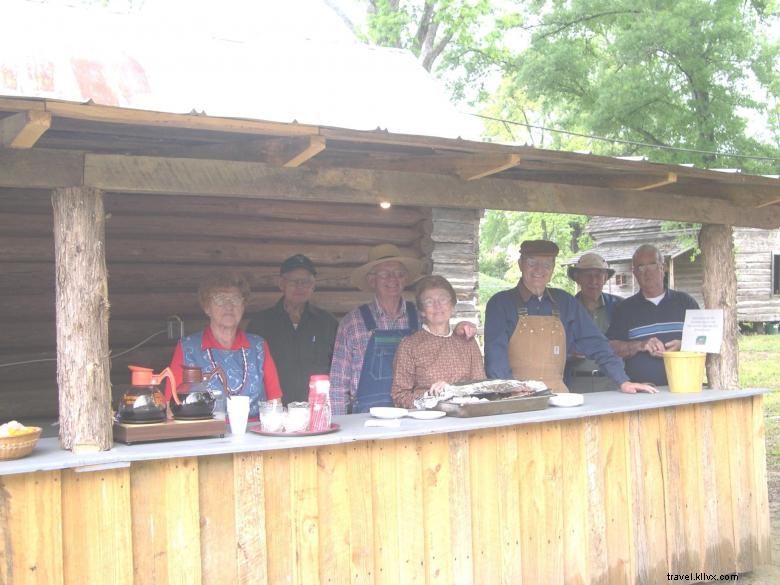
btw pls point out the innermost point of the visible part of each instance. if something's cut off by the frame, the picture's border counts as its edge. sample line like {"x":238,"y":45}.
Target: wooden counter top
{"x":47,"y":455}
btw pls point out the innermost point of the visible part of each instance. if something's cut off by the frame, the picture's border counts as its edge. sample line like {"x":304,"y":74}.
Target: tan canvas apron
{"x":537,"y":348}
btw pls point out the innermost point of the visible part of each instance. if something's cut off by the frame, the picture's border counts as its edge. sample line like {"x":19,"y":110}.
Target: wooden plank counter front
{"x":622,"y":490}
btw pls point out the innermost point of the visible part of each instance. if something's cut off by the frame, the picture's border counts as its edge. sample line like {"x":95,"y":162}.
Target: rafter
{"x":23,"y":129}
{"x":671,"y":178}
{"x":768,"y":203}
{"x":477,"y":167}
{"x":300,"y":150}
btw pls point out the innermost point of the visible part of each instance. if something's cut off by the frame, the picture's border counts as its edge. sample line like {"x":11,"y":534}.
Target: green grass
{"x":759,"y":367}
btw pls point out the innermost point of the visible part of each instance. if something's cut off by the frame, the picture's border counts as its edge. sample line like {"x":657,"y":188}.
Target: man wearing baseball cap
{"x":591,"y":273}
{"x":530,"y":329}
{"x":300,"y":335}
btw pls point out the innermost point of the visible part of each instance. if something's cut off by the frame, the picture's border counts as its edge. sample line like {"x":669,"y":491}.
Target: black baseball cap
{"x":295,"y":262}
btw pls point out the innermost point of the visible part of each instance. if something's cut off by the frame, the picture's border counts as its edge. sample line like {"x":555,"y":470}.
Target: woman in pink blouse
{"x":433,"y":357}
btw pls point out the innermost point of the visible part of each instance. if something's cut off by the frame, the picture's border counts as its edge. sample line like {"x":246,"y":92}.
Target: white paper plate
{"x":426,"y":414}
{"x":387,"y":412}
{"x":567,"y":399}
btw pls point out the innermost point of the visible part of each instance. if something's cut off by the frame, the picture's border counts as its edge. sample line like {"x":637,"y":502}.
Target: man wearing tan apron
{"x":529,"y":329}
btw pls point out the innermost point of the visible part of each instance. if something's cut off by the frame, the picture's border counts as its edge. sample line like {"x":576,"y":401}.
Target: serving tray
{"x":332,"y":429}
{"x":536,"y":401}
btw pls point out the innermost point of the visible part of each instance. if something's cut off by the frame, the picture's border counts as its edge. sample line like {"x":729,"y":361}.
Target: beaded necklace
{"x":228,"y":389}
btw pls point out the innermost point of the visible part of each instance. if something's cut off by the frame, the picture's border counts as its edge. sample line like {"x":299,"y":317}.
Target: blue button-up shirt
{"x":501,"y":319}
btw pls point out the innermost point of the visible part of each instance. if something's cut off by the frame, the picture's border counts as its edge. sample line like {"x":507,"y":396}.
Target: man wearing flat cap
{"x":361,"y":374}
{"x":300,"y":335}
{"x":591,"y":273}
{"x":530,"y":329}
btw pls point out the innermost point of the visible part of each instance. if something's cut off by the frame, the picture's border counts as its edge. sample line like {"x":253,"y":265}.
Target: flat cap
{"x":538,"y":248}
{"x":295,"y":262}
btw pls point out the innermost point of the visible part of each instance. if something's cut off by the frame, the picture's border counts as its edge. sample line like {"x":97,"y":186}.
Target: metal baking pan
{"x":535,"y":401}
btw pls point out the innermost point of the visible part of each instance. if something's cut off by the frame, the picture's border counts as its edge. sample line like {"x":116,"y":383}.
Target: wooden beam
{"x":22,"y":130}
{"x":478,"y":167}
{"x":243,"y":179}
{"x":127,"y":116}
{"x":40,"y":168}
{"x":10,"y":104}
{"x":311,"y":148}
{"x":670,"y":179}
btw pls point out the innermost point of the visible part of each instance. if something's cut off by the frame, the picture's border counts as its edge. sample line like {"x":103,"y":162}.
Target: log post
{"x":82,"y":320}
{"x":719,"y":289}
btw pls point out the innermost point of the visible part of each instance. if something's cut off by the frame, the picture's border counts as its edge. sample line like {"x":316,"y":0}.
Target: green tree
{"x":676,"y":74}
{"x":667,"y":73}
{"x":449,"y":37}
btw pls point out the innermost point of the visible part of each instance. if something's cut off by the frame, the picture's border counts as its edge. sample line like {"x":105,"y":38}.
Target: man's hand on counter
{"x":634,"y":387}
{"x":465,"y":329}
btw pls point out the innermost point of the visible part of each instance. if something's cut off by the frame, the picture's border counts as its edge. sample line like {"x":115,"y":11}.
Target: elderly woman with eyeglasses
{"x":243,"y":357}
{"x":433,"y":357}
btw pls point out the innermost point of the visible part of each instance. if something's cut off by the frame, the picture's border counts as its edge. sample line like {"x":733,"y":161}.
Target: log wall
{"x":158,"y":248}
{"x":754,"y":256}
{"x":688,"y":276}
{"x":622,"y":498}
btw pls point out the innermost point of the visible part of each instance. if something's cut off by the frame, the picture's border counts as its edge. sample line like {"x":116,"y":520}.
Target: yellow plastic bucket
{"x":684,"y":370}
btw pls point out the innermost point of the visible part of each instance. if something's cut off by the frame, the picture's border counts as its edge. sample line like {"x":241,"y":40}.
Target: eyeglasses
{"x":642,"y":268}
{"x":388,"y":274}
{"x":300,"y":282}
{"x":430,"y":302}
{"x":224,"y":299}
{"x":542,"y":264}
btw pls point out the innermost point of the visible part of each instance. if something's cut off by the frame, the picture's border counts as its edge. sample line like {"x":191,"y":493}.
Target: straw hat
{"x":385,"y":253}
{"x":590,"y":261}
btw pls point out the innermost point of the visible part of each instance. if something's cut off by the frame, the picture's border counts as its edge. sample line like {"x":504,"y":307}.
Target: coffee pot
{"x":195,"y":398}
{"x":144,"y":402}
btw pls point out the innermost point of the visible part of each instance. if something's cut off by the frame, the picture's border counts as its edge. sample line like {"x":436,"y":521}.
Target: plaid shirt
{"x":351,"y":342}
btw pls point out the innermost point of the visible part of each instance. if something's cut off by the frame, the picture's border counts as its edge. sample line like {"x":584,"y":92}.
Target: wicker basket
{"x":19,"y":445}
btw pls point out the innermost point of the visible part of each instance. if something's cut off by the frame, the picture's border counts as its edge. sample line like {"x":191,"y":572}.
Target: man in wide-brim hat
{"x":531,"y":329}
{"x":367,"y":337}
{"x":591,"y":272}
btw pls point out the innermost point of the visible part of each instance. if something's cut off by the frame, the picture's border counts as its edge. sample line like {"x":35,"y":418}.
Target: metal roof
{"x":137,"y":61}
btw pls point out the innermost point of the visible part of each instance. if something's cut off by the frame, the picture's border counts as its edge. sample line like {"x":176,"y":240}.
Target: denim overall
{"x":376,"y":377}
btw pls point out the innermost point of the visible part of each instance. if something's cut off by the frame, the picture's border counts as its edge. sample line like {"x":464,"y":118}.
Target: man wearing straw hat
{"x":649,"y":323}
{"x":529,"y":329}
{"x":361,"y":373}
{"x":591,"y":273}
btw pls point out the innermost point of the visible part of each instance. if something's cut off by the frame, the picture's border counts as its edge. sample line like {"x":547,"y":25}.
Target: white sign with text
{"x":703,"y":330}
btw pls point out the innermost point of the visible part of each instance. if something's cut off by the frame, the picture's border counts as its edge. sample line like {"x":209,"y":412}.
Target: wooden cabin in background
{"x":757,"y":257}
